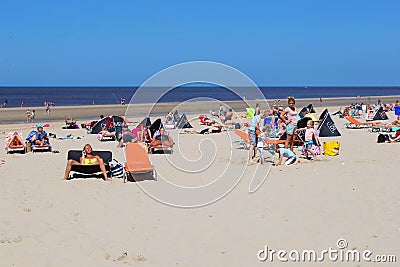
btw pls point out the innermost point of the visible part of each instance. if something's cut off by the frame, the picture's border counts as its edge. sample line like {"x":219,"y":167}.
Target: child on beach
{"x":261,"y":142}
{"x":308,"y":139}
{"x":287,"y":153}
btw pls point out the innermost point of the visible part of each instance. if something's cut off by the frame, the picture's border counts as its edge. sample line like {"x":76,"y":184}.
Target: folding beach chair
{"x":84,"y":171}
{"x":137,"y":161}
{"x":39,"y":148}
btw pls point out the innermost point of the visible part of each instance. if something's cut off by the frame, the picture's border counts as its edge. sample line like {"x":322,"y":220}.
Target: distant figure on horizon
{"x":22,"y":104}
{"x":48,"y":111}
{"x":122,"y":100}
{"x":5,"y":103}
{"x":320,"y":101}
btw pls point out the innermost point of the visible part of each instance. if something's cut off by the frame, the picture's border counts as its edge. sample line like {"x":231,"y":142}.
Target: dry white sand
{"x":46,"y":221}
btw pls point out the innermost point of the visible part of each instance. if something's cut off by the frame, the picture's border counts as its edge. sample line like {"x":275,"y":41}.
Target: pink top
{"x":291,"y":115}
{"x":309,"y":134}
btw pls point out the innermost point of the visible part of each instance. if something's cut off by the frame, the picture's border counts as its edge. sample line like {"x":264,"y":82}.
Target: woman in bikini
{"x":87,"y":159}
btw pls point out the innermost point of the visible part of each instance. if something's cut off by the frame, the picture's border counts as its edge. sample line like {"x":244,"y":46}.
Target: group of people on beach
{"x":288,"y":121}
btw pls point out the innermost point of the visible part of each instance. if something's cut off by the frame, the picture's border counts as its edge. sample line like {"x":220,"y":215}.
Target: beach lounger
{"x":38,"y":148}
{"x":14,"y":143}
{"x":137,"y":161}
{"x":93,"y":170}
{"x":245,"y":138}
{"x":355,"y":124}
{"x":160,"y":148}
{"x":106,"y":136}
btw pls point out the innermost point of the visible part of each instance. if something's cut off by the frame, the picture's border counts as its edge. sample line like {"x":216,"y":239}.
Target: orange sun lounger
{"x":355,"y":124}
{"x":137,"y":161}
{"x":245,"y":142}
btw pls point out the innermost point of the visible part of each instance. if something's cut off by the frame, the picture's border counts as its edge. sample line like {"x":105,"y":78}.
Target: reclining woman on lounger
{"x":126,"y":136}
{"x":87,"y":159}
{"x":162,"y":138}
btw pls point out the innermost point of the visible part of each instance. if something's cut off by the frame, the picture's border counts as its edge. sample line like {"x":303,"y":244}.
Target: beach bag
{"x":117,"y":169}
{"x":315,"y":149}
{"x":382,"y":138}
{"x":28,"y":147}
{"x":331,"y":148}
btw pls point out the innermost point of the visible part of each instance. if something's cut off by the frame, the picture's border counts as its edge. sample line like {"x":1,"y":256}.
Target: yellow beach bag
{"x":331,"y":148}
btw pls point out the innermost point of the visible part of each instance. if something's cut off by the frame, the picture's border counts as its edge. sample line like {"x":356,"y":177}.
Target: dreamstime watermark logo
{"x":219,"y":161}
{"x":341,"y":254}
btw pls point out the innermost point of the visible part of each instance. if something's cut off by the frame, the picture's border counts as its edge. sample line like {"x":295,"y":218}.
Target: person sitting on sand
{"x":87,"y":158}
{"x":287,"y":153}
{"x":228,"y":116}
{"x":38,"y":137}
{"x":126,"y":136}
{"x":141,"y":133}
{"x":162,"y":138}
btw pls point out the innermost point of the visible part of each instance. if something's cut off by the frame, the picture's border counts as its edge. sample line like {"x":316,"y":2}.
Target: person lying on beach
{"x":87,"y":158}
{"x":214,"y":129}
{"x":287,"y":153}
{"x":38,"y":137}
{"x":394,"y":123}
{"x":126,"y":136}
{"x":162,"y":138}
{"x":395,"y":138}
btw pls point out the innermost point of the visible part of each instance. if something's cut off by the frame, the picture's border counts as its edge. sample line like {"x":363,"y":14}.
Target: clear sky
{"x":124,"y":42}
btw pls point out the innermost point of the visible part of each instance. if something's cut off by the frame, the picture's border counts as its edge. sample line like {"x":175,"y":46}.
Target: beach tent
{"x":106,"y":122}
{"x":155,"y":126}
{"x":183,"y":122}
{"x":176,"y":116}
{"x":327,"y":127}
{"x":311,"y":108}
{"x":302,"y":112}
{"x":146,"y":122}
{"x":302,"y":123}
{"x":380,"y":115}
{"x":250,"y":113}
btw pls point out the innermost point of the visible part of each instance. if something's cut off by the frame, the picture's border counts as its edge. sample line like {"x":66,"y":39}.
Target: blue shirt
{"x":286,"y":153}
{"x":253,"y":122}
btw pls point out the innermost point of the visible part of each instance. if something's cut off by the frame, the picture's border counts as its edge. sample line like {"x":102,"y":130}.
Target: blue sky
{"x":95,"y":42}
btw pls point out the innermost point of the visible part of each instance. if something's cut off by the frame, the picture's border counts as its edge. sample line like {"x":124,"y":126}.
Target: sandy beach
{"x":47,"y":221}
{"x":139,"y":110}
